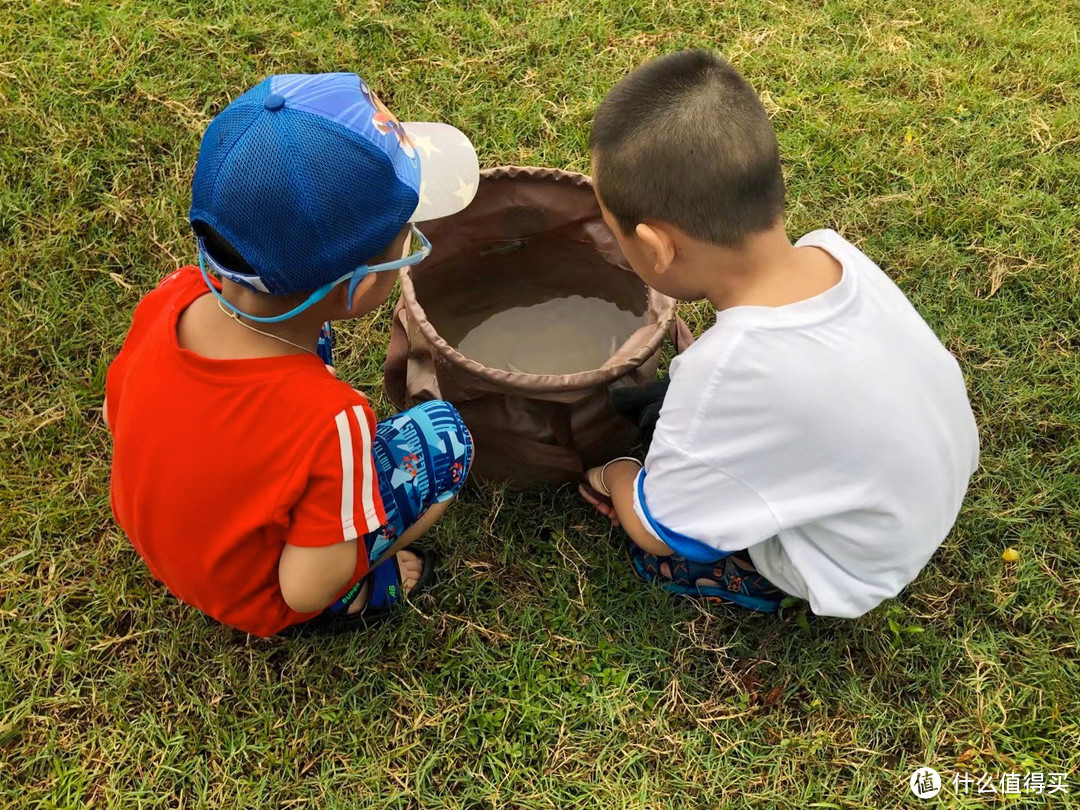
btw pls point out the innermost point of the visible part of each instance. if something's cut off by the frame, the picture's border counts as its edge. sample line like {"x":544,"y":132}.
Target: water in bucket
{"x":560,"y":335}
{"x":548,"y":307}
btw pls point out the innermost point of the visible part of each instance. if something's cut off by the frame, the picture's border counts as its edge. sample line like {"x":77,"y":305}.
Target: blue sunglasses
{"x":354,"y":277}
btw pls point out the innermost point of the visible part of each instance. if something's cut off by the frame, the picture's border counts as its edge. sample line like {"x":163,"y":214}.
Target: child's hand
{"x":604,"y":507}
{"x":611,"y":493}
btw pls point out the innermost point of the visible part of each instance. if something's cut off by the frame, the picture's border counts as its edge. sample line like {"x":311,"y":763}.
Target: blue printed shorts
{"x":422,"y":457}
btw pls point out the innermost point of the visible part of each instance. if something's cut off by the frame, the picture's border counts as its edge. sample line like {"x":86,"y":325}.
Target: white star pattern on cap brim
{"x":424,"y":144}
{"x":449,"y":170}
{"x":465,"y":191}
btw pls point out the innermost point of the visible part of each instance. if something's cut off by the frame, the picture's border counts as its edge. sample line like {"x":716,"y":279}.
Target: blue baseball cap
{"x":309,"y":176}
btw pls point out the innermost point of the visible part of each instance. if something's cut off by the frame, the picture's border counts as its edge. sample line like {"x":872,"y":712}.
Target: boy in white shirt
{"x":817,"y":440}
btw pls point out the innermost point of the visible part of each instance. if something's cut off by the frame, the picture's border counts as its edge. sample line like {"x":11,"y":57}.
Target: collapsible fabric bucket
{"x":540,"y":226}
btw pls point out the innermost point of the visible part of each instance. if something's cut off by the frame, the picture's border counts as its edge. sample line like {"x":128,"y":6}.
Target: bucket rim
{"x":532,"y":384}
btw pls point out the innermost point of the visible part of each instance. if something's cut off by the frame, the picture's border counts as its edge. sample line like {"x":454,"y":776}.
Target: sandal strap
{"x":384,"y":588}
{"x":680,"y":570}
{"x":683,"y":572}
{"x":733,"y":583}
{"x":651,"y":563}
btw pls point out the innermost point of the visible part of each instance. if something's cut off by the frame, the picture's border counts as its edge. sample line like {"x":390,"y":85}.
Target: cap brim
{"x":449,"y":170}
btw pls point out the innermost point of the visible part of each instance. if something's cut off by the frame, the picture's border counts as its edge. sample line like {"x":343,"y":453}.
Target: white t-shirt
{"x":831,"y":437}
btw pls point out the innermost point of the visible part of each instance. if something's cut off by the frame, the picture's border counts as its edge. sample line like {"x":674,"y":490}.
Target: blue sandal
{"x":384,"y":595}
{"x":386,"y":592}
{"x":734,"y":584}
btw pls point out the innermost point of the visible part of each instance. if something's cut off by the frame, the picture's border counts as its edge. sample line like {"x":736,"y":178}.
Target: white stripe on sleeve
{"x":348,"y":526}
{"x":368,"y":481}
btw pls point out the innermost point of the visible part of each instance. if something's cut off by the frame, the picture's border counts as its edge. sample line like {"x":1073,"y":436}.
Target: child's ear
{"x":659,"y":245}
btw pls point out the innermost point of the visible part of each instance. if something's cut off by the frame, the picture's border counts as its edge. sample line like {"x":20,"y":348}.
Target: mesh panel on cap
{"x":303,"y":199}
{"x":220,"y":139}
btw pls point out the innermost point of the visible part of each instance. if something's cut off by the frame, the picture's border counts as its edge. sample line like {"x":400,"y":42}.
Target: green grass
{"x":941,"y":137}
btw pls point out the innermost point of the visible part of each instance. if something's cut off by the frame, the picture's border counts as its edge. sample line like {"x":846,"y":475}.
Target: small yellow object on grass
{"x":1010,"y":555}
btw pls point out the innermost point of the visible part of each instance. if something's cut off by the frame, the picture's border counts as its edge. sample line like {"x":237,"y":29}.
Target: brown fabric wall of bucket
{"x":527,"y":428}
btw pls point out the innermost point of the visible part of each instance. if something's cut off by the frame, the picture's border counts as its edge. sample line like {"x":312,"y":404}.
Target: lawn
{"x":943,"y":138}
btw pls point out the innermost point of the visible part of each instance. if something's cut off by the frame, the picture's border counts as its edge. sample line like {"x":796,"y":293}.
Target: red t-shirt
{"x":217,"y":464}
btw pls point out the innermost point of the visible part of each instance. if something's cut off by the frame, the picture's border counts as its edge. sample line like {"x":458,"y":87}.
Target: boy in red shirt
{"x":254,"y":484}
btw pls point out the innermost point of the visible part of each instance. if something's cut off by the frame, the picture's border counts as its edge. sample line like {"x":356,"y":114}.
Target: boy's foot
{"x":409,"y":572}
{"x":731,"y":579}
{"x":411,"y":568}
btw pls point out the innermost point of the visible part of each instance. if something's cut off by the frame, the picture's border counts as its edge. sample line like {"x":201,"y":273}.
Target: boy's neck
{"x":302,"y":330}
{"x":766,"y":270}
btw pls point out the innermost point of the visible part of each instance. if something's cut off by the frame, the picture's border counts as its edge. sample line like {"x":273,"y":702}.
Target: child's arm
{"x":619,"y":479}
{"x":333,"y":502}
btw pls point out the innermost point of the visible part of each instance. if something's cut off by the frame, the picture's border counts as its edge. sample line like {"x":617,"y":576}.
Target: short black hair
{"x":222,"y":251}
{"x":684,"y":139}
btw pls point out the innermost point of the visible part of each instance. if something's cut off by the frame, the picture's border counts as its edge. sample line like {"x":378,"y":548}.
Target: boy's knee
{"x":463,"y":450}
{"x":448,"y":425}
